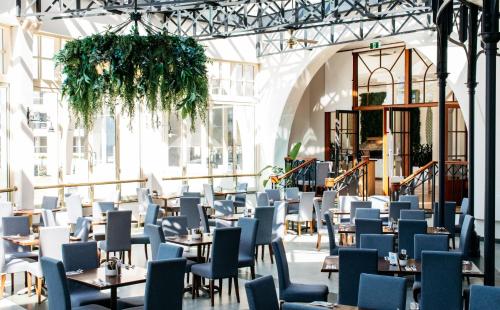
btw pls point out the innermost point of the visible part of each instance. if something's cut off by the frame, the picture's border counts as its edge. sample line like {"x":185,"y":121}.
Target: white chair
{"x":74,"y":208}
{"x":48,"y":218}
{"x":5,"y":210}
{"x":51,"y":241}
{"x":321,"y":207}
{"x":208,"y":192}
{"x":305,"y":214}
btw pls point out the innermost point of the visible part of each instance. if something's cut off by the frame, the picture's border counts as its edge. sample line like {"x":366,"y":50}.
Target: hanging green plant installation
{"x":164,"y":72}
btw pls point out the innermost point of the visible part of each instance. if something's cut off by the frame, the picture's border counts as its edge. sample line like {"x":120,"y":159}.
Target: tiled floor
{"x":304,"y":262}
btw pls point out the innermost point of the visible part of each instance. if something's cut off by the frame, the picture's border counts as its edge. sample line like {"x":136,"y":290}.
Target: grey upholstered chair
{"x":383,"y":243}
{"x":407,"y":231}
{"x":381,"y":292}
{"x":395,"y":208}
{"x":367,"y":213}
{"x":156,"y":237}
{"x":50,"y":202}
{"x":118,"y":237}
{"x":247,"y":243}
{"x":449,"y":218}
{"x":412,"y":215}
{"x":223,"y":207}
{"x":82,"y":230}
{"x":149,"y":219}
{"x":356,"y":204}
{"x":367,"y":226}
{"x":484,"y":297}
{"x":464,"y":246}
{"x":262,"y":199}
{"x":304,"y":214}
{"x":279,"y":219}
{"x":189,"y":209}
{"x":352,"y":263}
{"x":265,"y":215}
{"x":292,"y":193}
{"x":174,"y":226}
{"x":320,"y":208}
{"x":274,"y":195}
{"x":412,"y":199}
{"x":464,"y":208}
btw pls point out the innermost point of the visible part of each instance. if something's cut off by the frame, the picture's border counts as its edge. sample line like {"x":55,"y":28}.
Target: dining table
{"x":351,"y":229}
{"x":97,"y":279}
{"x":31,"y":240}
{"x":189,"y":241}
{"x":412,"y":267}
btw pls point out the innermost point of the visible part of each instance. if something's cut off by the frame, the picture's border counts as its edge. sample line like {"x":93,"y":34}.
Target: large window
{"x":3,"y":50}
{"x":4,"y":172}
{"x":230,"y":78}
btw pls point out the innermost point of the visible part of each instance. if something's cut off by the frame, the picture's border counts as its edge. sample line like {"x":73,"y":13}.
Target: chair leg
{"x":453,"y":241}
{"x":252,"y":272}
{"x":299,"y":228}
{"x":318,"y":243}
{"x":2,"y":284}
{"x":25,"y":278}
{"x":212,"y":292}
{"x":107,"y":255}
{"x":237,"y":289}
{"x":146,"y":251}
{"x":220,"y":287}
{"x":230,"y":286}
{"x":262,"y":253}
{"x":12,"y":284}
{"x":286,"y":227}
{"x":30,"y":283}
{"x":271,"y":254}
{"x":256,"y":252}
{"x":130,"y":257}
{"x":329,"y":275}
{"x":311,"y":227}
{"x":39,"y":289}
{"x":193,"y":287}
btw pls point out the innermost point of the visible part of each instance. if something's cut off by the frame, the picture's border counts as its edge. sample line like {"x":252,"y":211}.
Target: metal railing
{"x":349,"y":181}
{"x":300,"y":173}
{"x":8,"y":189}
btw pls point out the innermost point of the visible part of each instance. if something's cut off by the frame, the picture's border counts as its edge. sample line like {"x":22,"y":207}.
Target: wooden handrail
{"x":8,"y":190}
{"x":90,"y":183}
{"x":409,"y":178}
{"x":216,"y":176}
{"x":276,"y":179}
{"x":351,"y":171}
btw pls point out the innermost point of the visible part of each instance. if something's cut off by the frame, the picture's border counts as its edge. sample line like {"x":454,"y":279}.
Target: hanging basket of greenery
{"x":164,"y":72}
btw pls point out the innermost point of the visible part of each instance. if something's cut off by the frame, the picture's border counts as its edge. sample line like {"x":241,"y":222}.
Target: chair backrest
{"x":223,"y":207}
{"x":412,"y":215}
{"x":189,"y":209}
{"x":203,"y":218}
{"x":100,"y":207}
{"x":151,"y":214}
{"x":381,"y":292}
{"x":367,"y":226}
{"x":279,"y":219}
{"x":352,"y":263}
{"x":169,"y":251}
{"x":57,"y":284}
{"x":306,"y":206}
{"x":320,"y":208}
{"x":5,"y":210}
{"x":208,"y":192}
{"x":156,"y":237}
{"x":184,"y":188}
{"x":383,"y":243}
{"x":464,"y":208}
{"x":449,"y":216}
{"x":74,"y":208}
{"x":48,"y":218}
{"x":322,"y":170}
{"x":225,"y":248}
{"x":248,"y":235}
{"x":292,"y":193}
{"x":262,"y":199}
{"x":441,"y":280}
{"x":118,"y":230}
{"x":15,"y":225}
{"x":483,"y":297}
{"x":261,"y":294}
{"x":367,"y":213}
{"x":355,"y":204}
{"x":273,"y":194}
{"x":407,"y":231}
{"x":80,"y":255}
{"x":427,"y":242}
{"x":265,"y":216}
{"x":331,"y":233}
{"x":142,"y":196}
{"x":466,"y":231}
{"x":51,"y":241}
{"x":412,"y":199}
{"x":241,"y":196}
{"x":174,"y":226}
{"x":281,"y":265}
{"x":191,"y":194}
{"x":161,"y":294}
{"x":50,"y":202}
{"x":82,"y":229}
{"x":395,"y":208}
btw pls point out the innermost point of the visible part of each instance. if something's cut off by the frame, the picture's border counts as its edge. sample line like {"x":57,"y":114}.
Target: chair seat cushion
{"x":245,"y":261}
{"x":189,"y":264}
{"x":300,"y":306}
{"x":129,"y":302}
{"x":30,"y":254}
{"x":90,"y":307}
{"x":140,"y":239}
{"x":17,"y":265}
{"x":203,"y":270}
{"x":81,"y":296}
{"x":304,"y":293}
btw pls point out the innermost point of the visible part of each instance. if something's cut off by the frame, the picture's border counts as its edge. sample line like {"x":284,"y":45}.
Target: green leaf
{"x":294,"y":151}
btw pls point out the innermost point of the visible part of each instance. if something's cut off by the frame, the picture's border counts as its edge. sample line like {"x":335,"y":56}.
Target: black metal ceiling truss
{"x":280,"y":26}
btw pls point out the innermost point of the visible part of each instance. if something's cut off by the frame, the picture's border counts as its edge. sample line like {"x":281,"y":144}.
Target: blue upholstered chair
{"x":449,"y":218}
{"x":320,"y":208}
{"x":150,"y":219}
{"x":248,"y":236}
{"x":274,"y":195}
{"x":352,"y":263}
{"x":355,"y":205}
{"x":464,"y":247}
{"x":464,"y":208}
{"x":223,"y":207}
{"x":50,"y":202}
{"x":189,"y":209}
{"x":395,"y":208}
{"x":57,"y":287}
{"x":412,"y":199}
{"x":418,"y":215}
{"x":82,"y":230}
{"x":262,"y":199}
{"x":441,"y":280}
{"x":334,"y":249}
{"x":407,"y":231}
{"x":224,"y":262}
{"x":294,"y":292}
{"x":169,"y":251}
{"x":105,"y":206}
{"x":381,"y":292}
{"x":367,"y":213}
{"x":82,"y":255}
{"x":265,"y":215}
{"x":191,"y":194}
{"x":156,"y":237}
{"x":160,"y":293}
{"x":117,"y":234}
{"x":367,"y":226}
{"x":239,"y":199}
{"x":426,"y":242}
{"x":380,"y":242}
{"x":279,"y":219}
{"x":174,"y":226}
{"x":292,"y":193}
{"x":484,"y":297}
{"x":261,"y":295}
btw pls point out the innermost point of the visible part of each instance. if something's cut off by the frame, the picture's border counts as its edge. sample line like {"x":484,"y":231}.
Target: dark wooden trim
{"x":328,"y":135}
{"x":408,"y":74}
{"x":355,"y":80}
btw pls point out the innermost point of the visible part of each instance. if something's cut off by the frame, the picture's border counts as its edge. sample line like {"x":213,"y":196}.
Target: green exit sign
{"x":374,"y":45}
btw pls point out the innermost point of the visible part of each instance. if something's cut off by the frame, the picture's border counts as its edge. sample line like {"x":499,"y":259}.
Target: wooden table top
{"x":186,"y":240}
{"x":229,"y":218}
{"x":105,"y":222}
{"x":348,"y":212}
{"x":331,"y":264}
{"x":23,"y":240}
{"x":36,"y":211}
{"x":95,"y":278}
{"x":351,"y":229}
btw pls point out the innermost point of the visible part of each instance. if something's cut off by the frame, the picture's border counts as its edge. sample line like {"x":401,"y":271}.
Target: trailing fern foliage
{"x":163,"y":72}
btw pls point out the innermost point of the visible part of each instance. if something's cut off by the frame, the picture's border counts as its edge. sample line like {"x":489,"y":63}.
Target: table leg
{"x":113,"y":298}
